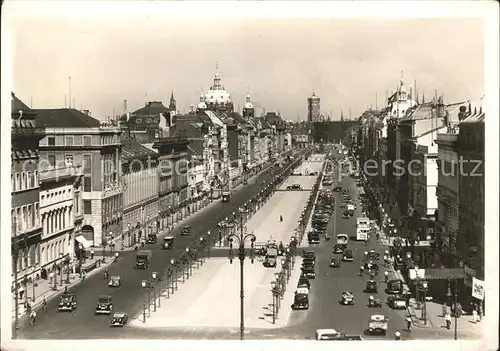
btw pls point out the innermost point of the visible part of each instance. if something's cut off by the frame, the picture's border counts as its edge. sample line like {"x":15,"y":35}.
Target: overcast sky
{"x":280,"y":61}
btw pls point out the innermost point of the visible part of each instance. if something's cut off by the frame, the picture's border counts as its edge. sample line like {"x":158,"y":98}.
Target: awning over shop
{"x":444,"y":273}
{"x":84,"y":242}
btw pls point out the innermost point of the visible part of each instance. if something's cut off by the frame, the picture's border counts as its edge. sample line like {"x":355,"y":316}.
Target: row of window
{"x":56,"y":221}
{"x":21,"y":181}
{"x":25,"y":217}
{"x":69,"y":140}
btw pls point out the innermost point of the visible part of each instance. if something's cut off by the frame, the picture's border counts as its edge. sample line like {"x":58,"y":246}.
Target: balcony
{"x":112,"y":189}
{"x":60,"y":173}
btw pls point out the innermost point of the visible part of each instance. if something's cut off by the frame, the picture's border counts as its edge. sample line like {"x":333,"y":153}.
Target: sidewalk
{"x":45,"y":289}
{"x":435,"y":320}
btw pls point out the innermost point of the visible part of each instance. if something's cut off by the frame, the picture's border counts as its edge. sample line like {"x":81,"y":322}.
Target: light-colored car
{"x":378,"y":324}
{"x":115,"y":281}
{"x":347,"y":298}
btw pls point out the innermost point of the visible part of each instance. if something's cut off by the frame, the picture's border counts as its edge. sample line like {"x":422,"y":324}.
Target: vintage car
{"x":294,"y":187}
{"x":397,"y":301}
{"x":308,"y":261}
{"x":337,"y":189}
{"x":115,"y":281}
{"x":348,"y":256}
{"x":345,"y":215}
{"x":104,"y":305}
{"x":301,"y":299}
{"x":371,"y":286}
{"x":339,"y":248}
{"x":377,"y":324}
{"x":333,"y":335}
{"x":304,"y":281}
{"x":186,"y":230}
{"x":308,"y":272}
{"x":67,"y":303}
{"x":308,"y":253}
{"x":347,"y":298}
{"x":119,"y":319}
{"x":335,"y":262}
{"x":370,"y":265}
{"x":168,"y":243}
{"x":152,"y":238}
{"x":373,"y":255}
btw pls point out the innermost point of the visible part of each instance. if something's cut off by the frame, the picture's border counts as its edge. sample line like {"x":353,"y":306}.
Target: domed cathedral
{"x":248,"y":110}
{"x":217,"y":99}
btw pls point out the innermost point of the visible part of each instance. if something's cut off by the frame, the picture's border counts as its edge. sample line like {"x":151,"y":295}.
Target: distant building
{"x":26,"y":233}
{"x":75,"y":138}
{"x":217,"y":99}
{"x":313,"y":109}
{"x":149,"y":122}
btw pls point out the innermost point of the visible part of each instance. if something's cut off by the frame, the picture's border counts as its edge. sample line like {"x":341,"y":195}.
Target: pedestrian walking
{"x":408,"y":323}
{"x":32,"y":318}
{"x":480,"y":313}
{"x":66,"y":289}
{"x":92,"y":254}
{"x":474,"y":315}
{"x":444,"y":309}
{"x":44,"y":304}
{"x":447,"y":319}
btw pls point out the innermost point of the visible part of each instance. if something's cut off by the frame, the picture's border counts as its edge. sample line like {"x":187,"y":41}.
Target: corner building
{"x":75,"y":138}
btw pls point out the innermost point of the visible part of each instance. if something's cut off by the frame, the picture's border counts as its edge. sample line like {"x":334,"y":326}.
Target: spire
{"x":418,"y":103}
{"x":341,"y":115}
{"x":172,"y":104}
{"x":423,"y":98}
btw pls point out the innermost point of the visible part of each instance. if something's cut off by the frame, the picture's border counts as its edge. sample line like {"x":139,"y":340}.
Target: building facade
{"x":470,"y":238}
{"x":25,"y":192}
{"x":141,"y":185}
{"x":173,"y":165}
{"x":447,"y":192}
{"x":75,"y":138}
{"x":61,"y":211}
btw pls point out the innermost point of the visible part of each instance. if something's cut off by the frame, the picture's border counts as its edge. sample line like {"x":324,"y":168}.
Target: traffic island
{"x":211,"y":298}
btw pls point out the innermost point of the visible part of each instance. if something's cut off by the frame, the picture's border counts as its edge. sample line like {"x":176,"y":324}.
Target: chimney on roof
{"x":87,"y":112}
{"x":470,"y":108}
{"x":462,"y":113}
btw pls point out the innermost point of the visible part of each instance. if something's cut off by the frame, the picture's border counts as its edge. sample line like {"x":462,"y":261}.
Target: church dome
{"x":248,"y":103}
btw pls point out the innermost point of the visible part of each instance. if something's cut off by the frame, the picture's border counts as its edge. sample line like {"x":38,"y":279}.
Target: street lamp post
{"x":67,"y":275}
{"x":189,"y":263}
{"x":129,"y":226}
{"x":61,"y":255}
{"x":274,"y":294}
{"x":155,"y":278}
{"x":241,"y":239}
{"x":145,"y":285}
{"x":209,"y":240}
{"x":202,"y":248}
{"x":174,"y":274}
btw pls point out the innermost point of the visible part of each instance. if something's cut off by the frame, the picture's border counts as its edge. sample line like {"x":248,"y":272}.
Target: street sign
{"x":477,"y":288}
{"x":417,"y":273}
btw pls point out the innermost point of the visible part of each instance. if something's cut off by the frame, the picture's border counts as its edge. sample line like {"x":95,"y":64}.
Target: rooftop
{"x":132,"y":149}
{"x":152,"y":108}
{"x":64,"y":118}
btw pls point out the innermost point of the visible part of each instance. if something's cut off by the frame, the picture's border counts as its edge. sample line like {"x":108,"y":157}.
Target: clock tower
{"x":313,"y":108}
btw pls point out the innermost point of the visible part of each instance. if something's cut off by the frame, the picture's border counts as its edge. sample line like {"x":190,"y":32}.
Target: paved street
{"x":128,"y":298}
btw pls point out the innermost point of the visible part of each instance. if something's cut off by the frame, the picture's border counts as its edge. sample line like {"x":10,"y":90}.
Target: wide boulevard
{"x":82,"y":323}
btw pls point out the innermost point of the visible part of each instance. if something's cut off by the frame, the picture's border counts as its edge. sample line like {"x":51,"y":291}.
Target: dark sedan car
{"x":119,"y":319}
{"x":104,"y":305}
{"x":348,"y":256}
{"x":397,"y":301}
